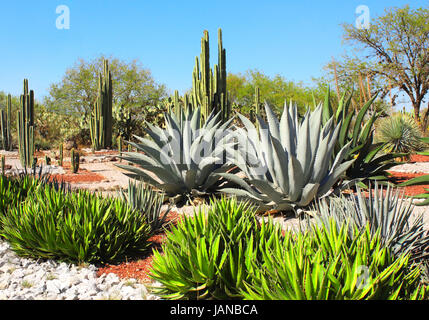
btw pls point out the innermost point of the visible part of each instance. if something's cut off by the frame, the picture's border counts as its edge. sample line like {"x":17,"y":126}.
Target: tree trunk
{"x":424,"y":122}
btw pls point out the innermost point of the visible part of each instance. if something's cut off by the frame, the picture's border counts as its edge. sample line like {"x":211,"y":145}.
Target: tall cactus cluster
{"x":25,"y":127}
{"x":5,"y":118}
{"x":209,"y":88}
{"x":101,"y":118}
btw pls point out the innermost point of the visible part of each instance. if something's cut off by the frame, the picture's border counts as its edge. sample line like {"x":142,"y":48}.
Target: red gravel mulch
{"x":419,"y":158}
{"x":82,"y":176}
{"x":398,"y":177}
{"x":140,"y":267}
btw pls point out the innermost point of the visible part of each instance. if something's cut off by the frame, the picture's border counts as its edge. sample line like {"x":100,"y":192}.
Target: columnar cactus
{"x":61,"y":156}
{"x":75,"y":161}
{"x":209,"y":88}
{"x":119,"y":142}
{"x":25,"y":127}
{"x":5,"y":116}
{"x":101,"y":118}
{"x":3,"y":164}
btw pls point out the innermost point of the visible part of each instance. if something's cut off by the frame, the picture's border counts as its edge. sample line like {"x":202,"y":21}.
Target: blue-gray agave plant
{"x":183,"y":158}
{"x":288,"y":164}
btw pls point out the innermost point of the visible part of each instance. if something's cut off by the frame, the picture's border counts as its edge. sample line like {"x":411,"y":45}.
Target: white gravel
{"x":417,"y":167}
{"x":28,"y":279}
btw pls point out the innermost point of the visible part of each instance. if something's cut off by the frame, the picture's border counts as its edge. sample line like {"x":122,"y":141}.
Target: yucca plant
{"x":287,"y":165}
{"x":74,"y":227}
{"x":148,"y":202}
{"x":370,"y":162}
{"x":400,"y":133}
{"x":209,"y":255}
{"x":329,"y":264}
{"x":183,"y":158}
{"x":383,"y":210}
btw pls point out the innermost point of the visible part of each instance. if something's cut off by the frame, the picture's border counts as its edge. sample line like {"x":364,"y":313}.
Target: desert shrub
{"x":401,"y":134}
{"x":148,"y":202}
{"x":15,"y":189}
{"x":208,"y":256}
{"x":326,"y":263}
{"x":75,"y":227}
{"x":385,"y":211}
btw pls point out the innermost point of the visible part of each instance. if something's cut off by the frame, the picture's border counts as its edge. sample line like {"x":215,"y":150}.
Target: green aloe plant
{"x":287,"y":162}
{"x":330,"y":264}
{"x":183,"y":158}
{"x":209,"y":255}
{"x":75,"y":226}
{"x":382,"y":210}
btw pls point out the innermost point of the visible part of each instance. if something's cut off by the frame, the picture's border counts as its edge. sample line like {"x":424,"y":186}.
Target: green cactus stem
{"x":101,"y":118}
{"x":75,"y":160}
{"x":5,"y":116}
{"x":61,"y":155}
{"x":3,"y":165}
{"x":25,"y":127}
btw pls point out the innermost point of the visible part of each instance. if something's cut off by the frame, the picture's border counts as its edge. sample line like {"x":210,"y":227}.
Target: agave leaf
{"x":136,"y":173}
{"x":273,"y":122}
{"x":415,"y":181}
{"x":295,"y":176}
{"x":359,"y":118}
{"x":303,"y":152}
{"x":330,"y":180}
{"x":281,"y":165}
{"x":239,"y":181}
{"x":286,"y":130}
{"x":308,"y":194}
{"x":266,"y":188}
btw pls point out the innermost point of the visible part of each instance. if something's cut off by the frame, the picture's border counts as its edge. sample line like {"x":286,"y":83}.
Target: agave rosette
{"x":183,"y":158}
{"x":287,"y":165}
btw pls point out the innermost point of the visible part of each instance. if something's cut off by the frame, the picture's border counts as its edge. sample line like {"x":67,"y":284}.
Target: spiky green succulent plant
{"x":287,"y":165}
{"x":384,"y":210}
{"x":358,"y":129}
{"x":183,"y":158}
{"x":401,"y":134}
{"x":148,"y":202}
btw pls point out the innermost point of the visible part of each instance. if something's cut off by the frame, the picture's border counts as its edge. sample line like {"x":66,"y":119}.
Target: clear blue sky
{"x":291,"y":38}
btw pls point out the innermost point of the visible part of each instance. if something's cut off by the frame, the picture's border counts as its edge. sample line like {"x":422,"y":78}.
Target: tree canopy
{"x":393,"y":52}
{"x":275,"y":90}
{"x":133,"y":87}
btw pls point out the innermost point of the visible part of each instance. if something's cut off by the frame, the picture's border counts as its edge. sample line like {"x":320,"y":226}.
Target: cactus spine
{"x":5,"y":116}
{"x":101,"y":118}
{"x":75,"y":161}
{"x":25,"y":127}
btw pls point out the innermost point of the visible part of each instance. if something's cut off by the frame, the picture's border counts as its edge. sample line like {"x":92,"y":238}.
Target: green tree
{"x":394,"y":50}
{"x":134,"y":88}
{"x":275,"y":90}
